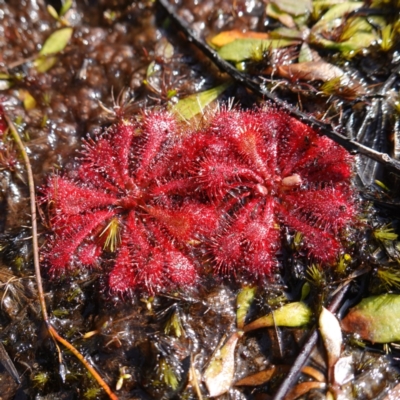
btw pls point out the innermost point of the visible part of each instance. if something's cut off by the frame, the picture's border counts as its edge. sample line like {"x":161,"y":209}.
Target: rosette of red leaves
{"x":263,"y":170}
{"x":120,"y":205}
{"x":148,"y":192}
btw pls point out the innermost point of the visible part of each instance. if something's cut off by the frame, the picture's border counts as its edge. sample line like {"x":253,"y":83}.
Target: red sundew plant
{"x":262,"y":170}
{"x":118,"y":205}
{"x":149,"y":193}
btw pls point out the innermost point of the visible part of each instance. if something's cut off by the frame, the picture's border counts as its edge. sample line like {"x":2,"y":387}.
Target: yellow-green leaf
{"x":226,"y":37}
{"x":57,"y":41}
{"x":294,"y":7}
{"x":67,"y":4}
{"x":284,"y":18}
{"x":244,"y":300}
{"x":27,"y":99}
{"x":244,"y":49}
{"x":43,"y":64}
{"x":291,"y":315}
{"x":195,"y":103}
{"x":375,"y":318}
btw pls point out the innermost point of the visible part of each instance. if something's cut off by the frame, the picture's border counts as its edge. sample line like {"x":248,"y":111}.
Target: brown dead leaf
{"x":257,"y":379}
{"x":314,"y":373}
{"x":303,"y":388}
{"x":310,"y":71}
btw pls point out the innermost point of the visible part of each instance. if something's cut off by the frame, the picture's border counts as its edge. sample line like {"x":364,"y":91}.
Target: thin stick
{"x":36,"y":263}
{"x":308,"y":347}
{"x":257,"y":86}
{"x":32,"y":198}
{"x":83,"y":360}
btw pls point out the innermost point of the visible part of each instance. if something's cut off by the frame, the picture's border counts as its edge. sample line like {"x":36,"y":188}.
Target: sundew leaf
{"x":244,"y":49}
{"x":244,"y":300}
{"x":57,"y":41}
{"x":194,"y":104}
{"x":291,"y":315}
{"x":376,"y":319}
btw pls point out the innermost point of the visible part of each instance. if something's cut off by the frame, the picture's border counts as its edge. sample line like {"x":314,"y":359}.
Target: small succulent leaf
{"x":283,"y":17}
{"x":52,"y":11}
{"x":44,"y":63}
{"x":218,"y":377}
{"x":28,"y":100}
{"x":244,"y":300}
{"x":194,"y":104}
{"x":258,"y":378}
{"x":226,"y":37}
{"x":244,"y":49}
{"x":337,"y":11}
{"x":57,"y":41}
{"x":292,"y":315}
{"x":376,"y":319}
{"x":332,"y":337}
{"x":164,"y":49}
{"x":305,"y":55}
{"x":67,"y":4}
{"x":343,"y":370}
{"x":294,"y":7}
{"x":305,"y":291}
{"x":287,"y":33}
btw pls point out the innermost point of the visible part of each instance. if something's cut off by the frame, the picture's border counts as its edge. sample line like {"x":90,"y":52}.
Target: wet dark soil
{"x":129,"y":54}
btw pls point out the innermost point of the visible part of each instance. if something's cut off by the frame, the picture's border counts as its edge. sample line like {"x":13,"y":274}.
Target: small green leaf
{"x":336,"y":12}
{"x":294,"y":7}
{"x":67,"y":4}
{"x":376,"y":319}
{"x":43,"y":64}
{"x":52,"y":11}
{"x":195,"y":103}
{"x":244,"y":300}
{"x":305,"y":291}
{"x":292,"y":315}
{"x":168,"y":375}
{"x":27,"y":99}
{"x":385,"y":232}
{"x":283,"y":17}
{"x":390,"y":277}
{"x":305,"y":54}
{"x":244,"y":49}
{"x":286,"y":33}
{"x":57,"y":41}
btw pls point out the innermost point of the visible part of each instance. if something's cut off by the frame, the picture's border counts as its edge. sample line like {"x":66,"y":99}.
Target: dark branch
{"x":257,"y":86}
